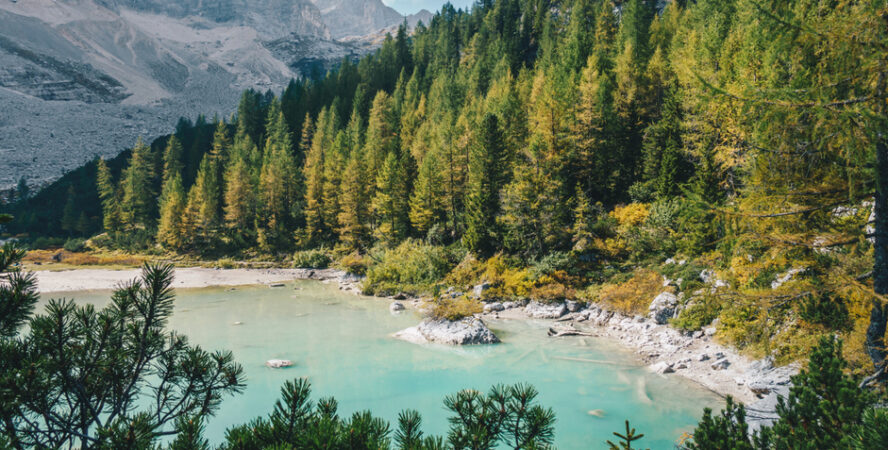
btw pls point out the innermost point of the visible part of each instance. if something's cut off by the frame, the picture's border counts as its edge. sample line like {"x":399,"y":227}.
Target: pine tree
{"x":172,"y":209}
{"x":69,"y":213}
{"x":486,"y":178}
{"x":138,"y":202}
{"x":108,"y":194}
{"x":313,"y":172}
{"x":278,"y":185}
{"x":240,"y":186}
{"x":428,"y":202}
{"x":391,"y":202}
{"x":353,"y":212}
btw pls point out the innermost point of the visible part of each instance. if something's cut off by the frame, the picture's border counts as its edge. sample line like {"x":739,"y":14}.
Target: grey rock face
{"x":539,"y":310}
{"x":663,"y":308}
{"x":468,"y":331}
{"x":478,"y":291}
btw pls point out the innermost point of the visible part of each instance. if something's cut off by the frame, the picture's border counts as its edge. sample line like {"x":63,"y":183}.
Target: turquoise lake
{"x":342,"y":343}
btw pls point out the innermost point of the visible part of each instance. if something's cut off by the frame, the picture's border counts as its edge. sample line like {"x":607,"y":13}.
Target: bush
{"x":311,"y":259}
{"x":455,"y":308}
{"x":42,"y":243}
{"x":635,"y":295}
{"x":75,"y":245}
{"x":354,"y":263}
{"x":700,"y":312}
{"x":410,"y":267}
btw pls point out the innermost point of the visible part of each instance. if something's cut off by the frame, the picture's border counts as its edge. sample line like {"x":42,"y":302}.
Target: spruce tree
{"x":138,"y":200}
{"x":278,"y":186}
{"x":486,"y":178}
{"x":391,"y":202}
{"x":108,"y":195}
{"x":69,"y":213}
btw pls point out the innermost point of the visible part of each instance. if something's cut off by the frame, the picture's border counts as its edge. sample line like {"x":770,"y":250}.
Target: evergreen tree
{"x":391,"y":202}
{"x":170,"y":229}
{"x":278,"y":185}
{"x":427,"y":204}
{"x":486,"y":178}
{"x":353,"y":213}
{"x":69,"y":213}
{"x":240,"y":186}
{"x":138,"y":202}
{"x":108,"y":195}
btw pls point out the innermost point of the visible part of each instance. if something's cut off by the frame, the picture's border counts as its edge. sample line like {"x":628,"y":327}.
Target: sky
{"x":413,"y":6}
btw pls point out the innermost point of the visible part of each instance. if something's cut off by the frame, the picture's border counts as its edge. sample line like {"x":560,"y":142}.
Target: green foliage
{"x":455,"y":308}
{"x":109,"y":378}
{"x":311,"y":259}
{"x":411,"y":266}
{"x":626,"y":439}
{"x":75,"y":245}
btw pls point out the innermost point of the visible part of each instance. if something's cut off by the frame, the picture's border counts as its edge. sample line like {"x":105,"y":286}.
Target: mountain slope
{"x":81,"y":78}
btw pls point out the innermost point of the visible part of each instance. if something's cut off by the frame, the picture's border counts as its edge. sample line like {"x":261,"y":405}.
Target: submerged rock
{"x":396,"y":306}
{"x":467,"y":331}
{"x":278,"y":363}
{"x":539,"y":310}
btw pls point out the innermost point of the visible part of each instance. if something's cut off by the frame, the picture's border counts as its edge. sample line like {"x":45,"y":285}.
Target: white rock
{"x":539,"y":310}
{"x":494,"y":307}
{"x":661,"y":368}
{"x":278,"y":363}
{"x":467,"y":331}
{"x":720,"y":364}
{"x":662,"y":308}
{"x":396,"y":306}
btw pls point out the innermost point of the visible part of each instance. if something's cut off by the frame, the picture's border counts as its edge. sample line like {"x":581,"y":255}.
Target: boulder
{"x":396,"y":306}
{"x":662,"y":368}
{"x":537,"y":310}
{"x":467,"y":331}
{"x":494,"y":307}
{"x":721,"y":364}
{"x":663,"y":308}
{"x":573,"y":306}
{"x":478,"y":291}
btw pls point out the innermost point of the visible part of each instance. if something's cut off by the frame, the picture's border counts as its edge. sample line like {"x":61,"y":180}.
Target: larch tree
{"x":138,"y":202}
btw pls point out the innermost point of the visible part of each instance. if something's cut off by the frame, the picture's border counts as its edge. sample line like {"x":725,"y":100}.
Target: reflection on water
{"x":342,"y":343}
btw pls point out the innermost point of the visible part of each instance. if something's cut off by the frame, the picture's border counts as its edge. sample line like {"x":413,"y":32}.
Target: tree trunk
{"x":875,"y":333}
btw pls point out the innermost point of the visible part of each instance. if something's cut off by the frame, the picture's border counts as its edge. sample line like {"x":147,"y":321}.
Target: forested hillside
{"x":570,"y":147}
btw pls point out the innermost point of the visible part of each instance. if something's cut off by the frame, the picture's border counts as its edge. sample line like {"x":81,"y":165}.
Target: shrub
{"x":700,"y":312}
{"x":311,"y":259}
{"x":455,"y":308}
{"x":75,"y":245}
{"x":354,"y":263}
{"x":635,"y":295}
{"x":506,"y":281}
{"x":412,"y":267}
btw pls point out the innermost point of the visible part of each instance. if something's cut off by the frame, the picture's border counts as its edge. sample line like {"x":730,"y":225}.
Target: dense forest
{"x":556,"y":149}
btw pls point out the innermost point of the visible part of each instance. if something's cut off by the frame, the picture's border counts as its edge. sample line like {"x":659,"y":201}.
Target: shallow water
{"x":343,"y":344}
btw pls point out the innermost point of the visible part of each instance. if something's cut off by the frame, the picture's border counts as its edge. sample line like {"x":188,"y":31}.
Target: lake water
{"x":342,"y":343}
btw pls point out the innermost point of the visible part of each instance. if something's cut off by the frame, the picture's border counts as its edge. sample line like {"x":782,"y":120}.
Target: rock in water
{"x":467,"y":331}
{"x":539,"y":310}
{"x":278,"y":363}
{"x":396,"y":306}
{"x":663,"y":308}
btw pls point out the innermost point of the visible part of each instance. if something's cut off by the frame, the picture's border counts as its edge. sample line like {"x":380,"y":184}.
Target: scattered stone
{"x":511,"y":305}
{"x":721,"y":364}
{"x":697,"y":334}
{"x":703,"y":357}
{"x":662,"y":368}
{"x":278,"y":363}
{"x":709,"y":331}
{"x":276,"y":285}
{"x":494,"y":307}
{"x":396,"y":306}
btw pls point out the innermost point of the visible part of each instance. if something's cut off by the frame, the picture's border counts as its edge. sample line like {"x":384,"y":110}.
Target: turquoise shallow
{"x":343,"y":344}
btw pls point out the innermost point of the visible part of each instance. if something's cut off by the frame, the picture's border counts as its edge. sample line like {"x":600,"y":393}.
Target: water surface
{"x":343,"y":344}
